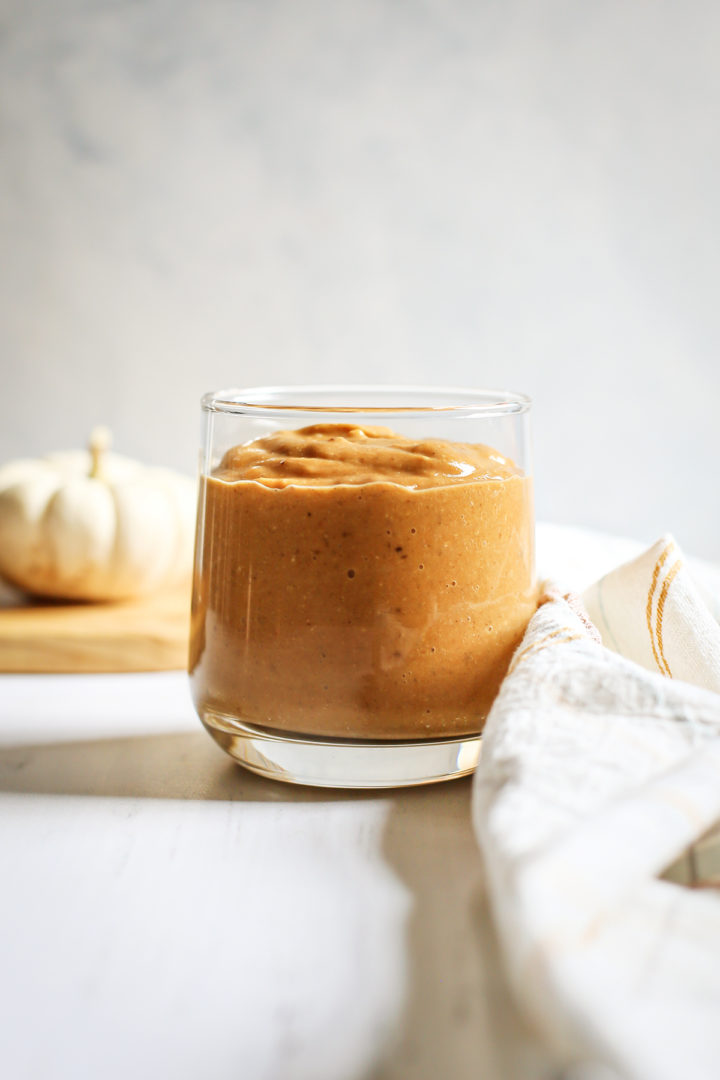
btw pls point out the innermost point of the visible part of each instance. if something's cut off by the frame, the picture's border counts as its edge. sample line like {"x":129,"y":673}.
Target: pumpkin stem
{"x":100,"y":439}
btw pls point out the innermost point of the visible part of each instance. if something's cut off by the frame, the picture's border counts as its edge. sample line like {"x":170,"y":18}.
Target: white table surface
{"x":166,"y":914}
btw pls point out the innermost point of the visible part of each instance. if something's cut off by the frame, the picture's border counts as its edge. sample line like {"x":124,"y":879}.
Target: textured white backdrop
{"x":484,"y":192}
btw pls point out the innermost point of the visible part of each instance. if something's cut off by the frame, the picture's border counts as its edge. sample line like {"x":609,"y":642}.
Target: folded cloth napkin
{"x":651,"y":611}
{"x":597,"y":772}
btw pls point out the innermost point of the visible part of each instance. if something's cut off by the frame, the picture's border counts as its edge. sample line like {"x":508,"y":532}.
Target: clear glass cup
{"x":351,"y":625}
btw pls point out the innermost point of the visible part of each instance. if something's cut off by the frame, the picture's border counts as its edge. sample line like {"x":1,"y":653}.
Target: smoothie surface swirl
{"x":333,"y":454}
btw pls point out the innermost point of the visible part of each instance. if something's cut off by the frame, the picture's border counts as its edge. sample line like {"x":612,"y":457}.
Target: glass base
{"x":342,"y":763}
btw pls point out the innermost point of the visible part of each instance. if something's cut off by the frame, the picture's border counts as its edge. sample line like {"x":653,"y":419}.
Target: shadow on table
{"x":457,"y":1018}
{"x":182,"y":765}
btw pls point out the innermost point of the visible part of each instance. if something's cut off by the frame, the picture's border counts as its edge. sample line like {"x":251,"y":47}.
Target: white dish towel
{"x":600,"y":766}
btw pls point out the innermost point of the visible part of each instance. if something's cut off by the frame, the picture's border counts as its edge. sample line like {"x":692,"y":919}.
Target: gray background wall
{"x":508,"y":192}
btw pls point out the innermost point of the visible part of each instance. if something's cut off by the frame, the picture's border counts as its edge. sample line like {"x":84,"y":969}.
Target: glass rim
{"x":257,"y":400}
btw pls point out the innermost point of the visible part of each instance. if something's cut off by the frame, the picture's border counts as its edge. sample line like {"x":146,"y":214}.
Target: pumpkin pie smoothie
{"x":356,"y":583}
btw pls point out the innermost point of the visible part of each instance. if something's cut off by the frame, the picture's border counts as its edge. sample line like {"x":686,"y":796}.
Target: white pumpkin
{"x":92,"y":525}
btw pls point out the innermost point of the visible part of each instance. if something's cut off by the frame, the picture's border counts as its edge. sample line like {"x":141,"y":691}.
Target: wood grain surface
{"x":148,"y":634}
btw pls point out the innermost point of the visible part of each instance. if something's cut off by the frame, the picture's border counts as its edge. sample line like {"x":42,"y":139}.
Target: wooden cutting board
{"x":150,"y":634}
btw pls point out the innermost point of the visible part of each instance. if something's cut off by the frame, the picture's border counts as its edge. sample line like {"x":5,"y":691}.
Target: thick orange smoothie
{"x":356,"y":583}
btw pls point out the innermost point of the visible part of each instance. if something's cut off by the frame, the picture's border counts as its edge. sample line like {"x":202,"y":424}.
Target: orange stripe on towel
{"x":561,"y":634}
{"x":670,"y":577}
{"x":651,"y":594}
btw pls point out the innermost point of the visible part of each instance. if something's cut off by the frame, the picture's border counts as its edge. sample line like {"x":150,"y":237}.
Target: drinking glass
{"x":355,"y":633}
